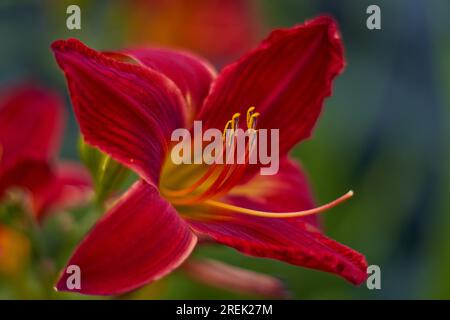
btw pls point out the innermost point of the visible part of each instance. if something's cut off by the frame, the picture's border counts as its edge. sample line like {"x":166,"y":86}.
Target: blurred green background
{"x":384,"y":133}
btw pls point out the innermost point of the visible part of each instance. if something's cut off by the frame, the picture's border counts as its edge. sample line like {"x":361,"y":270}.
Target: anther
{"x":249,"y":113}
{"x":235,"y":120}
{"x":253,"y":120}
{"x":227,"y":126}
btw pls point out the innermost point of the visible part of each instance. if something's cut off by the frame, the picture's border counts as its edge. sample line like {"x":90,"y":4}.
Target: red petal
{"x":70,"y":185}
{"x":190,"y":73}
{"x":31,"y":122}
{"x":140,"y":240}
{"x":296,"y":240}
{"x":286,"y":78}
{"x":224,"y":276}
{"x":287,"y":191}
{"x":126,"y":110}
{"x":295,"y":243}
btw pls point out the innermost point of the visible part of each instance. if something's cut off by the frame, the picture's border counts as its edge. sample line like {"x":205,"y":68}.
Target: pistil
{"x":266,"y":214}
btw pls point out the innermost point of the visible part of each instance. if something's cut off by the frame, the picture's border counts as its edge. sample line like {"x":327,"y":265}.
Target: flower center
{"x":213,"y":180}
{"x":216,"y":180}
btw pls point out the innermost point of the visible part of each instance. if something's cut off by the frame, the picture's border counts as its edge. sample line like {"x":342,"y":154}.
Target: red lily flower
{"x":31,"y":123}
{"x":129,"y":102}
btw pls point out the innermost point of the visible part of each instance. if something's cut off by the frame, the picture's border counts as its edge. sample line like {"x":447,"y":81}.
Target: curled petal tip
{"x":57,"y":44}
{"x":61,"y":44}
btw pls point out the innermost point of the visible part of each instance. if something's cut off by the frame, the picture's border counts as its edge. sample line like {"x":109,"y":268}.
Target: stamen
{"x":225,"y":131}
{"x":253,"y":120}
{"x":235,"y":120}
{"x":249,"y":113}
{"x":265,"y":214}
{"x":238,"y":170}
{"x":220,"y":177}
{"x":232,"y":124}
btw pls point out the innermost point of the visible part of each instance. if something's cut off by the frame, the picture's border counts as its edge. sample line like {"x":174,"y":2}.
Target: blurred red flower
{"x":129,"y":102}
{"x":31,"y":124}
{"x":218,"y":30}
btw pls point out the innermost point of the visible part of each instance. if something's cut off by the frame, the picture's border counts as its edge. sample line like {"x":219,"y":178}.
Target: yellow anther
{"x":231,"y":124}
{"x":235,"y":120}
{"x":252,"y":120}
{"x":249,"y":113}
